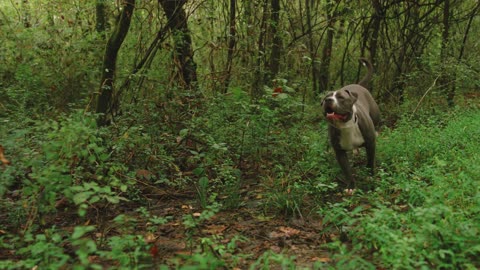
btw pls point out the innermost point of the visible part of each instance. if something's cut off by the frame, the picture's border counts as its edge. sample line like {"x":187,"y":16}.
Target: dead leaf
{"x":289,"y":231}
{"x":144,"y":174}
{"x":215,"y":229}
{"x":150,"y":237}
{"x":93,"y":259}
{"x":321,"y":259}
{"x":284,"y":232}
{"x":3,"y":159}
{"x":276,"y":249}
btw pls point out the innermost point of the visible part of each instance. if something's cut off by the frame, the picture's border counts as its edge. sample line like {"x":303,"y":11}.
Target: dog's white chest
{"x":351,"y":137}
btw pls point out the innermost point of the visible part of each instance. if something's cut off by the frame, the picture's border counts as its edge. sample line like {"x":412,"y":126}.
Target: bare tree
{"x":444,"y":78}
{"x":183,"y":55}
{"x":26,"y":14}
{"x":311,"y":46}
{"x":276,"y":42}
{"x":107,"y":103}
{"x":324,"y":70}
{"x":257,"y":87}
{"x":231,"y":43}
{"x":101,"y":18}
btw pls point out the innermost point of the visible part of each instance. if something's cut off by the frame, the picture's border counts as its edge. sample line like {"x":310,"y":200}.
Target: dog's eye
{"x":340,"y":97}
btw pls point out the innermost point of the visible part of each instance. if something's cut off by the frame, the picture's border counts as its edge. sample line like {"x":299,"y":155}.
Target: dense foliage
{"x":215,"y":155}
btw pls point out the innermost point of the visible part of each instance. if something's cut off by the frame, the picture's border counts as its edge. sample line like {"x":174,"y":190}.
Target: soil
{"x":260,"y":229}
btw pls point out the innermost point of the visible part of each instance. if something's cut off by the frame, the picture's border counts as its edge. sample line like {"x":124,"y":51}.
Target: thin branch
{"x":424,"y":95}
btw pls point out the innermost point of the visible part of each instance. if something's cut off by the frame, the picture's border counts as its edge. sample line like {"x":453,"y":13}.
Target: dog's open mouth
{"x":332,"y":115}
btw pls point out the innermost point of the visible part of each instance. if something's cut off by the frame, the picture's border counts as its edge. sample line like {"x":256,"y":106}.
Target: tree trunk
{"x":311,"y":46}
{"x":467,"y":30}
{"x":101,"y":24}
{"x":371,"y":33}
{"x":462,"y":48}
{"x":257,"y":87}
{"x":277,"y":41}
{"x":26,"y":14}
{"x":378,"y":16}
{"x":107,"y":103}
{"x":183,"y":55}
{"x":327,"y":50}
{"x":231,"y":44}
{"x":444,"y":79}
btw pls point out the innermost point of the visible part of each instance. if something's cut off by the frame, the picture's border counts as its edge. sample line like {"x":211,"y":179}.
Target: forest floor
{"x":300,"y":237}
{"x":250,"y":227}
{"x":422,"y":203}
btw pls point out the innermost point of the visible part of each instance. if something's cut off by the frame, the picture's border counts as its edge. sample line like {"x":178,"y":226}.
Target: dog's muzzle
{"x":331,"y":112}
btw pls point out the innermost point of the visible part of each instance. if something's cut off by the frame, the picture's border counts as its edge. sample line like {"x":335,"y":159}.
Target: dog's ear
{"x":353,"y":95}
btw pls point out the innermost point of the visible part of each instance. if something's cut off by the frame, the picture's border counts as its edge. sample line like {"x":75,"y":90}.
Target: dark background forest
{"x":188,"y":134}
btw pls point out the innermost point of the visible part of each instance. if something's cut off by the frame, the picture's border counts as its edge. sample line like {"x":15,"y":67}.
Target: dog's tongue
{"x":336,"y":116}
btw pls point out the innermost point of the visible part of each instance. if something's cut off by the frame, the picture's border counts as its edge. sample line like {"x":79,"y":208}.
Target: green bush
{"x":428,"y":213}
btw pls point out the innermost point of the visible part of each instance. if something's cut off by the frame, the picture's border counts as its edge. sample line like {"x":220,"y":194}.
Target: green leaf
{"x":81,"y":197}
{"x":92,"y":158}
{"x":80,"y":231}
{"x":94,"y":199}
{"x":113,"y":199}
{"x":104,"y":157}
{"x":184,"y":132}
{"x":199,"y":171}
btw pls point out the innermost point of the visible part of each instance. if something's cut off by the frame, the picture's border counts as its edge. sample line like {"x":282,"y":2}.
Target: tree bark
{"x":107,"y":103}
{"x":26,"y":14}
{"x":183,"y":55}
{"x":231,"y":44}
{"x":311,"y":46}
{"x":378,"y":16}
{"x":467,"y":30}
{"x":444,"y":78}
{"x":327,"y":50}
{"x":277,"y":41}
{"x":462,"y":48}
{"x":257,"y":87}
{"x":101,"y":24}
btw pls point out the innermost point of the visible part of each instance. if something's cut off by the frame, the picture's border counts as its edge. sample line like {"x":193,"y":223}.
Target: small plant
{"x":286,"y":195}
{"x":271,"y":260}
{"x":43,"y":250}
{"x":153,"y":221}
{"x":202,"y":187}
{"x":215,"y":253}
{"x":91,"y":193}
{"x":84,"y":247}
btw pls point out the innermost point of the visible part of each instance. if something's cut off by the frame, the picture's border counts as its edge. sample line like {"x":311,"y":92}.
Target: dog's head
{"x":338,"y":105}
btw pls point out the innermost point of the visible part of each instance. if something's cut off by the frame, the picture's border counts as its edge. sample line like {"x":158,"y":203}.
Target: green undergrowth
{"x":420,"y":211}
{"x":425,"y":210}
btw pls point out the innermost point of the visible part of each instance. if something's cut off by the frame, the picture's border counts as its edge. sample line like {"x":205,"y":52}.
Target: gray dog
{"x":353,"y":117}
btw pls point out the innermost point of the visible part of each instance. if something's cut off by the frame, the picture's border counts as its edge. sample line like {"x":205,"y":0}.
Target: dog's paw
{"x":349,"y":191}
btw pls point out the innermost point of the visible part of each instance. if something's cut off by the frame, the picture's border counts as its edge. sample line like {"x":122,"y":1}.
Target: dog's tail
{"x":365,"y":62}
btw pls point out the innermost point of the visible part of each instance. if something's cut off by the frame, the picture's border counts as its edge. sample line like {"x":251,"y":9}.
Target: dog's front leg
{"x":342,"y":159}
